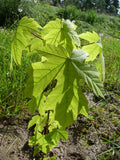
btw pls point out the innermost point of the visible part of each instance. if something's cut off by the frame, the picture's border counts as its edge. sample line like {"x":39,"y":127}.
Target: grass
{"x":111,"y":50}
{"x":113,"y":148}
{"x":11,"y":83}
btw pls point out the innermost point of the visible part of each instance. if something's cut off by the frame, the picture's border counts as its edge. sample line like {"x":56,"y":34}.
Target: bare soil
{"x":88,"y":138}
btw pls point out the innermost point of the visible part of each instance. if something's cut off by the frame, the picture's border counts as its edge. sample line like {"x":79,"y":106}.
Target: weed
{"x":113,"y":148}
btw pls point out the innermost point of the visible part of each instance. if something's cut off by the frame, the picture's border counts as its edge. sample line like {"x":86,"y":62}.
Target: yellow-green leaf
{"x":91,"y":37}
{"x":22,"y":37}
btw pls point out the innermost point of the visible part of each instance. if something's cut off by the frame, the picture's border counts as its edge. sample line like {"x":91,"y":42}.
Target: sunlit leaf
{"x":22,"y":37}
{"x":60,"y":33}
{"x":66,"y":99}
{"x":91,"y":37}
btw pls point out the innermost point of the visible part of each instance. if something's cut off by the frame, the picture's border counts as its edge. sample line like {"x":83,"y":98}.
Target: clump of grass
{"x":113,"y":148}
{"x":11,"y":83}
{"x":111,"y":50}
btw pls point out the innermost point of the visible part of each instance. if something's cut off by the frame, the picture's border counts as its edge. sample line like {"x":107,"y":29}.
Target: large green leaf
{"x":66,"y":99}
{"x":22,"y":37}
{"x":42,"y":73}
{"x":89,"y":73}
{"x":60,"y":33}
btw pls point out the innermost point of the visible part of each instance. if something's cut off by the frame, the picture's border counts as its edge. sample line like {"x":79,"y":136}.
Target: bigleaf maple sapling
{"x":64,"y":62}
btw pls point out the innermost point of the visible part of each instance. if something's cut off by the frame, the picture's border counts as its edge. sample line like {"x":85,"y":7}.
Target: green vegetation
{"x":11,"y":89}
{"x":107,"y":114}
{"x":106,"y":6}
{"x":113,"y":147}
{"x":8,"y":11}
{"x":11,"y":83}
{"x":41,"y":12}
{"x":63,"y":63}
{"x":12,"y":100}
{"x":90,"y":20}
{"x":111,"y":48}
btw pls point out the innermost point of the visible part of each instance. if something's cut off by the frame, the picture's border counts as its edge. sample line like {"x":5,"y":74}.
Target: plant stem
{"x":36,"y":35}
{"x":47,"y":123}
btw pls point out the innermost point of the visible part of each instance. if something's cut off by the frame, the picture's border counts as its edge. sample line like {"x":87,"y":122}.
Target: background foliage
{"x":45,"y":10}
{"x":8,"y":11}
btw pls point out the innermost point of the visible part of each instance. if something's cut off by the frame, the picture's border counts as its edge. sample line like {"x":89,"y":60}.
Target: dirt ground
{"x":88,"y":138}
